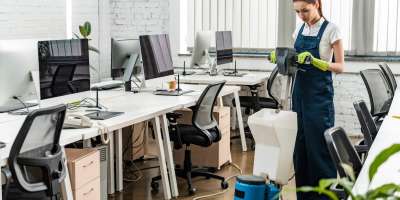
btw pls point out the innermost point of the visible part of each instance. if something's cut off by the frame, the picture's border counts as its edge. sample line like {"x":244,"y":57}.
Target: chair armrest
{"x":174,"y":129}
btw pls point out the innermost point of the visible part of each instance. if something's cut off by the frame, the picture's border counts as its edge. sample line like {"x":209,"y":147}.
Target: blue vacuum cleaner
{"x":254,"y":187}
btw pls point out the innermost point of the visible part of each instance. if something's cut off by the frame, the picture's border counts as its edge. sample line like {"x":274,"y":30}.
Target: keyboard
{"x":14,"y":107}
{"x":172,"y":93}
{"x":107,"y":85}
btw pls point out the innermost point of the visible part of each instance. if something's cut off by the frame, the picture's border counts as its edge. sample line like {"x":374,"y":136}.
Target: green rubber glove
{"x":318,"y":63}
{"x":272,"y":57}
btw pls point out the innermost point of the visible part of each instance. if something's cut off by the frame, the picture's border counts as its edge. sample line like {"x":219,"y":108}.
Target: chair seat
{"x":192,"y":135}
{"x":248,"y":102}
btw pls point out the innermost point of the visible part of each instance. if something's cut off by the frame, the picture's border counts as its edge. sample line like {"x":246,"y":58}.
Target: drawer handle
{"x":91,"y":190}
{"x":91,"y":162}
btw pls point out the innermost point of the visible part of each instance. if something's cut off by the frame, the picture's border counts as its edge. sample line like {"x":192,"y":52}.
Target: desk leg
{"x":240,"y":121}
{"x":66,"y":184}
{"x":162,"y":161}
{"x":119,"y":161}
{"x":170,"y":158}
{"x":110,"y":171}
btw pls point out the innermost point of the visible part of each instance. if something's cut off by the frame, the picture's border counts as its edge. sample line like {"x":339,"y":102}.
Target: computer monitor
{"x":63,"y":67}
{"x":17,"y":59}
{"x":201,"y":49}
{"x":223,"y":44}
{"x":123,"y":58}
{"x":156,"y":55}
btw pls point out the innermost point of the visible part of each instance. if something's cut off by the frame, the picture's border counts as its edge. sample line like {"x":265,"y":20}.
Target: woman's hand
{"x":318,"y":63}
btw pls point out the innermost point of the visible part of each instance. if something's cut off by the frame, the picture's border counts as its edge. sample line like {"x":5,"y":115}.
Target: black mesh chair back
{"x":368,"y":126}
{"x":271,"y":82}
{"x":342,"y":151}
{"x":203,"y":118}
{"x":35,"y":159}
{"x":389,"y":76}
{"x":61,"y":83}
{"x":379,"y":92}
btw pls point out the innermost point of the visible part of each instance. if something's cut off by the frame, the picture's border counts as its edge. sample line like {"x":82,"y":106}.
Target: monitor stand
{"x":185,"y":73}
{"x":234,"y":72}
{"x":100,"y":114}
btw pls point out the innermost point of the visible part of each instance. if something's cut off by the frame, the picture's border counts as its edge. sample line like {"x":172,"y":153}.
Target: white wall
{"x":131,"y":18}
{"x":47,"y":19}
{"x":32,"y":19}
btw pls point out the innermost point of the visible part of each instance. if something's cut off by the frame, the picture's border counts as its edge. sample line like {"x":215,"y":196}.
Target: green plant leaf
{"x":330,"y":194}
{"x":307,"y":189}
{"x":347,"y":186}
{"x":384,"y":191}
{"x":83,"y":32}
{"x":88,"y":28}
{"x":324,"y":183}
{"x":382,"y":157}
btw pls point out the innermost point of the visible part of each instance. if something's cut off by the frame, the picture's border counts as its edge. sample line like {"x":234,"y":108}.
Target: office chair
{"x":203,"y":132}
{"x":342,"y":152}
{"x":389,"y":76}
{"x":254,"y":103}
{"x":379,"y":92}
{"x":368,"y":127}
{"x":35,"y":159}
{"x":61,"y":83}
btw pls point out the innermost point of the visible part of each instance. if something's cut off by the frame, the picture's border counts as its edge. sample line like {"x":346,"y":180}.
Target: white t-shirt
{"x":330,"y":36}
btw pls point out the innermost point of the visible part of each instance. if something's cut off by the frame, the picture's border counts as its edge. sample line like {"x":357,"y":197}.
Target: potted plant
{"x":386,"y":191}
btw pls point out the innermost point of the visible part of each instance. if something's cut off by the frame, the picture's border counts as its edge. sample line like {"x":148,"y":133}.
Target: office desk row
{"x":389,"y":134}
{"x":137,"y":108}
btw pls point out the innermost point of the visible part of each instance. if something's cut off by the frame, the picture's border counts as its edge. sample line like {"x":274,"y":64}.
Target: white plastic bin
{"x":275,"y":136}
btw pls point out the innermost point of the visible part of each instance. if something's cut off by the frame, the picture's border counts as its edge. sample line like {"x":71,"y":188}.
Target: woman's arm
{"x":338,"y":51}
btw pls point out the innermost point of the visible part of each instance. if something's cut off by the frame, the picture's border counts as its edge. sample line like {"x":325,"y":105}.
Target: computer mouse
{"x":2,"y":145}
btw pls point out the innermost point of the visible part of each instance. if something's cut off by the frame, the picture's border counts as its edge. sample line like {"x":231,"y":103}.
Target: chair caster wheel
{"x":224,"y":185}
{"x":154,"y":187}
{"x":192,"y":191}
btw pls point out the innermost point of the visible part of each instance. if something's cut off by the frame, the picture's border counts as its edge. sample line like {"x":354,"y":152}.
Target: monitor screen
{"x":121,"y":51}
{"x":63,"y":67}
{"x":156,"y":55}
{"x":224,"y":47}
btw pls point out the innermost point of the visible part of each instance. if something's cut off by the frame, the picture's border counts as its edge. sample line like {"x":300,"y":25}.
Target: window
{"x":253,"y":22}
{"x":387,"y":27}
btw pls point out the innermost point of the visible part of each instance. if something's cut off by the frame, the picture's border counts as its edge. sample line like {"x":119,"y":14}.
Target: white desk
{"x":388,"y":135}
{"x":251,"y":78}
{"x":145,"y":106}
{"x":137,"y":107}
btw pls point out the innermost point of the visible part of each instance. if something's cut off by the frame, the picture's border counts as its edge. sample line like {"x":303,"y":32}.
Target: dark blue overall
{"x":313,"y":103}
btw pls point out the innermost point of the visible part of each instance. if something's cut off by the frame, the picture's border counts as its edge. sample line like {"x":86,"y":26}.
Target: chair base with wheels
{"x":188,"y":173}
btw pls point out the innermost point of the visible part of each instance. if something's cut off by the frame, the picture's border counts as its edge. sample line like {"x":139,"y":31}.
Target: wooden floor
{"x":141,"y":189}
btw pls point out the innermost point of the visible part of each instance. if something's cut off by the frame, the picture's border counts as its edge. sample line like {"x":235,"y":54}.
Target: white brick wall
{"x":46,"y":19}
{"x":32,"y":19}
{"x":131,"y":18}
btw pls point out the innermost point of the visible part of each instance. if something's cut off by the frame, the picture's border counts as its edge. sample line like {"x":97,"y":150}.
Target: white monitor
{"x":201,"y":48}
{"x":17,"y":59}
